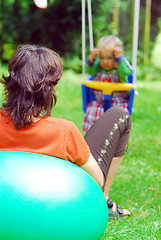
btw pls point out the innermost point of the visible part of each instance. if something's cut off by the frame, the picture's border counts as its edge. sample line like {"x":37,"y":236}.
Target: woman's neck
{"x":35,"y":119}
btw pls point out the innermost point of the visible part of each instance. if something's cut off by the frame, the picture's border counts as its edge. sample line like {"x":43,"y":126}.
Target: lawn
{"x":137,"y":185}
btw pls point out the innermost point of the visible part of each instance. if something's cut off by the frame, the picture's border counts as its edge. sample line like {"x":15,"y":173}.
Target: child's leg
{"x":93,"y":112}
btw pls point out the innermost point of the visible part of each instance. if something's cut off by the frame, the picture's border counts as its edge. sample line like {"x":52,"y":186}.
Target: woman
{"x":26,"y":125}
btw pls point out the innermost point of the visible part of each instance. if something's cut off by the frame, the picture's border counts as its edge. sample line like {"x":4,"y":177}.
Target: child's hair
{"x":109,"y":42}
{"x":29,"y":89}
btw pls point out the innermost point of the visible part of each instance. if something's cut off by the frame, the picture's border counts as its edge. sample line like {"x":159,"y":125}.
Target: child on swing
{"x":110,"y":67}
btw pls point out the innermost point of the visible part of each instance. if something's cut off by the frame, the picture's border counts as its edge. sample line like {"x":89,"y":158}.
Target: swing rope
{"x":84,"y":32}
{"x":83,"y":39}
{"x":90,"y":25}
{"x":135,"y":37}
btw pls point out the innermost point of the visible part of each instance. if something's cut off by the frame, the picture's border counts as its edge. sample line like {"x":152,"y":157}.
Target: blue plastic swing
{"x":107,"y":88}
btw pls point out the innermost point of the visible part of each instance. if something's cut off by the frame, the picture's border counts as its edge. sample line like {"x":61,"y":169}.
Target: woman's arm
{"x":94,"y":170}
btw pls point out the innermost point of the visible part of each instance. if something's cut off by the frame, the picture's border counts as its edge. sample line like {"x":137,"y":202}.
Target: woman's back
{"x":51,"y":136}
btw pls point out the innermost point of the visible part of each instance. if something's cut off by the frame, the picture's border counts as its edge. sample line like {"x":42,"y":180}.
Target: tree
{"x":59,"y":25}
{"x":147,"y":31}
{"x":115,"y":30}
{"x":14,"y":17}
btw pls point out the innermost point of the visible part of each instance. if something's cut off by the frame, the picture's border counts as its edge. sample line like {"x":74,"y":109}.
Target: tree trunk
{"x":147,"y":31}
{"x":116,"y":18}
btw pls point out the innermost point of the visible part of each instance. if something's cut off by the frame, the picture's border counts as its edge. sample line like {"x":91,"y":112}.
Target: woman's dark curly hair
{"x":29,"y":89}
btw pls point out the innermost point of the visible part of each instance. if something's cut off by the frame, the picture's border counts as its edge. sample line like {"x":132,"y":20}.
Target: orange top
{"x":50,"y":136}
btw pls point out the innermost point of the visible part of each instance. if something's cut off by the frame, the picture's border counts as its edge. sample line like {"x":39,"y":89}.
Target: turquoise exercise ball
{"x":47,"y":198}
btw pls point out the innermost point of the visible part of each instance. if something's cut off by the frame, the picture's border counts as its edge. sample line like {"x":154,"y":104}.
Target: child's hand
{"x":93,"y":53}
{"x":117,"y":52}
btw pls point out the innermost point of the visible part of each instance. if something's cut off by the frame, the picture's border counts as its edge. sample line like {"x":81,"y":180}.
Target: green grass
{"x":69,"y":102}
{"x":137,"y":185}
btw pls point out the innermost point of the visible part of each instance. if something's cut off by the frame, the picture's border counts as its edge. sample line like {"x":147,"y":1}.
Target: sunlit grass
{"x":137,"y":185}
{"x":69,"y":102}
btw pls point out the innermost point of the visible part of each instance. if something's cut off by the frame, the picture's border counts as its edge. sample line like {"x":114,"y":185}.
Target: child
{"x":110,"y":67}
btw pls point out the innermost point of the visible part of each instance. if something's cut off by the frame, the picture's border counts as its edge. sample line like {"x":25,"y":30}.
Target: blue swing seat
{"x":87,"y":95}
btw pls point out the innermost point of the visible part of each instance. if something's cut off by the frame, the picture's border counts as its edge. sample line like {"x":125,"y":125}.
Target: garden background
{"x":137,"y":184}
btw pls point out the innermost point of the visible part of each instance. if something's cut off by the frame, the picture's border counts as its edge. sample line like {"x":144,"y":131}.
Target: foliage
{"x":102,"y":17}
{"x":13,"y":22}
{"x":73,"y":62}
{"x":156,"y":52}
{"x":59,"y":26}
{"x":147,"y":73}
